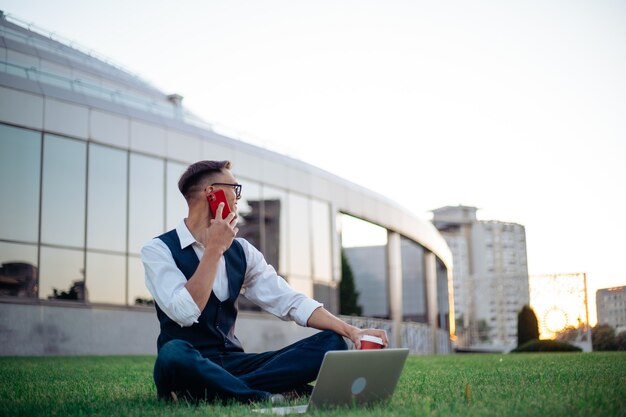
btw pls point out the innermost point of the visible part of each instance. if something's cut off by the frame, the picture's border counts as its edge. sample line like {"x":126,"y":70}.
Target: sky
{"x":515,"y":107}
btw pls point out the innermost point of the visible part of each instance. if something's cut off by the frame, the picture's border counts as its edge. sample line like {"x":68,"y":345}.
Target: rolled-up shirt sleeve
{"x":264,"y":287}
{"x":167,"y":283}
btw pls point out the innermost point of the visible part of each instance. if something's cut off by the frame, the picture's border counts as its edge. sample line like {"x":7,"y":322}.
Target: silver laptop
{"x":352,"y":377}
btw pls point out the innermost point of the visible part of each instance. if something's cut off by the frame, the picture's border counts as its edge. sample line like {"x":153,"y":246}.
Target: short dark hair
{"x":198,"y":172}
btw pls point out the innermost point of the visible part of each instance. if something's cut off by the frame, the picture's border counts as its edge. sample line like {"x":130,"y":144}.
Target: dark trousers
{"x":240,"y":376}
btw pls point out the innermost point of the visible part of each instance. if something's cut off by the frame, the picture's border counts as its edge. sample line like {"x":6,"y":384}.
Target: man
{"x":195,"y":274}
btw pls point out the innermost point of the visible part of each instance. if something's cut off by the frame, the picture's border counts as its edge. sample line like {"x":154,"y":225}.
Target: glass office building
{"x":90,"y":156}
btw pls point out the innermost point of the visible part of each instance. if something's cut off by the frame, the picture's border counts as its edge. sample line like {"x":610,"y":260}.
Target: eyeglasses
{"x":236,"y":187}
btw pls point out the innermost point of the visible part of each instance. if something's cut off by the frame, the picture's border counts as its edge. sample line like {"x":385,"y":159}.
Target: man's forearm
{"x":322,"y":319}
{"x":201,"y":282}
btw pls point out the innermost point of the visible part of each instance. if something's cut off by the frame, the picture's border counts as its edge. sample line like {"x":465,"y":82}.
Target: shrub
{"x":603,"y":337}
{"x":546,"y":346}
{"x":620,"y":340}
{"x":527,"y":326}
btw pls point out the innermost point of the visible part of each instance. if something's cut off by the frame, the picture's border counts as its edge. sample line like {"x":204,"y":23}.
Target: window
{"x":299,"y":236}
{"x":299,"y":230}
{"x":365,"y":248}
{"x":107,"y":199}
{"x":175,"y":204}
{"x":413,"y":282}
{"x":106,"y":278}
{"x":20,"y":161}
{"x":250,"y":212}
{"x":275,"y":228}
{"x":18,"y":267}
{"x":442,"y":296}
{"x":250,"y":223}
{"x":322,"y":248}
{"x":146,"y":200}
{"x":63,"y":192}
{"x":137,"y":292}
{"x":62,"y":274}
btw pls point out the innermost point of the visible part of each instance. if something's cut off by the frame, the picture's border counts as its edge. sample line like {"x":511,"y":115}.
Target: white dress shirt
{"x":262,"y":285}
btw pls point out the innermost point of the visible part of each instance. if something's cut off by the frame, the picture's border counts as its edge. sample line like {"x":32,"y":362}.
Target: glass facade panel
{"x":275,"y":228}
{"x":138,"y":294}
{"x":20,"y":164}
{"x":250,"y":223}
{"x":365,"y":248}
{"x":18,"y":270}
{"x":302,"y":284}
{"x":356,"y":232}
{"x":175,"y":204}
{"x":124,"y":199}
{"x":250,"y":213}
{"x":55,"y":74}
{"x":413,"y":282}
{"x":299,"y":230}
{"x":63,"y":192}
{"x":21,"y":60}
{"x":146,"y":200}
{"x":106,"y":278}
{"x":443,"y":306}
{"x":62,"y":274}
{"x":107,"y":198}
{"x":322,"y":241}
{"x":327,"y":295}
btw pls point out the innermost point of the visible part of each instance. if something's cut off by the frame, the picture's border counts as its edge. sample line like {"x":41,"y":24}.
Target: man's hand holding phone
{"x":223,"y":226}
{"x":215,"y":198}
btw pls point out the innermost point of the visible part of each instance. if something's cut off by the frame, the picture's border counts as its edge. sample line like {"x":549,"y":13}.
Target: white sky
{"x":518,"y":108}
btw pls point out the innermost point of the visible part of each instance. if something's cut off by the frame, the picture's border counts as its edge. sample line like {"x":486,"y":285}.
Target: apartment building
{"x":611,"y":305}
{"x":490,"y":276}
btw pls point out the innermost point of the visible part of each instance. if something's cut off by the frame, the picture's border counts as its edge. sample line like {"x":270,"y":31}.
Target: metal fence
{"x":418,"y":337}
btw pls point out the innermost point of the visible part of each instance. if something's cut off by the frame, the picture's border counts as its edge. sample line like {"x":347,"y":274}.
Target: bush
{"x":603,"y":337}
{"x":546,"y":346}
{"x":527,"y":326}
{"x":620,"y":340}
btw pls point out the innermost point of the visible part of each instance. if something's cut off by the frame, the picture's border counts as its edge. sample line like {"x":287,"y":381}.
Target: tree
{"x":603,"y":337}
{"x":76,"y":292}
{"x":527,"y":326}
{"x":348,"y":295}
{"x":567,"y":334}
{"x":620,"y":340}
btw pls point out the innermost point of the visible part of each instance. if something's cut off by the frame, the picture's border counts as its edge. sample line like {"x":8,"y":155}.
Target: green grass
{"x":548,"y":384}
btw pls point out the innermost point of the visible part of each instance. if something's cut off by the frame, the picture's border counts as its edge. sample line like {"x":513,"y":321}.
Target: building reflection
{"x":259,"y":224}
{"x":18,"y":279}
{"x":76,"y":292}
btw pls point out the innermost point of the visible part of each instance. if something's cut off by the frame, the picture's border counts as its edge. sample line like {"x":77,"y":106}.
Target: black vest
{"x":215,"y":330}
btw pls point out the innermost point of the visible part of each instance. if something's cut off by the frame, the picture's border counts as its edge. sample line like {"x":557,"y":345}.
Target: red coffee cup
{"x":371,"y":342}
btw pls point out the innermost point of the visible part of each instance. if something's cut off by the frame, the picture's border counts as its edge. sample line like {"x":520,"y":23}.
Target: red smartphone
{"x":215,"y":198}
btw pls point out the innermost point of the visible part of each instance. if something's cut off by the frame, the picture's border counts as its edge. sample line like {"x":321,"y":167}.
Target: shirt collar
{"x":184,"y":235}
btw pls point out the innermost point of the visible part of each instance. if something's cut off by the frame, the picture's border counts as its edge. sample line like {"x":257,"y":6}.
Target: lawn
{"x":549,"y":384}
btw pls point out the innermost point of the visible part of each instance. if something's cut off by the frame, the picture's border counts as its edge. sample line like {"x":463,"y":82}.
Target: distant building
{"x":490,"y":276}
{"x":611,"y":305}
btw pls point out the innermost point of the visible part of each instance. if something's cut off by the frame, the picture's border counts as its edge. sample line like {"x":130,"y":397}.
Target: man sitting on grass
{"x":195,"y":274}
